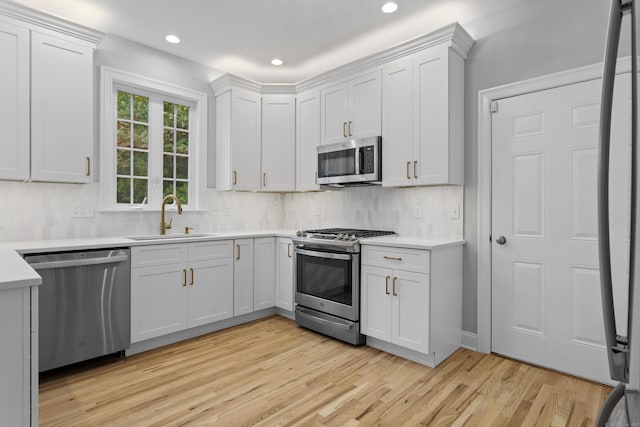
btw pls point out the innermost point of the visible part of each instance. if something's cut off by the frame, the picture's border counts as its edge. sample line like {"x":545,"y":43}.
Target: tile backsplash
{"x":34,"y":211}
{"x":417,"y":212}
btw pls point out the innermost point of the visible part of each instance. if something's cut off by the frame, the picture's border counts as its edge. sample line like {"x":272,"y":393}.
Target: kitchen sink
{"x":169,"y":236}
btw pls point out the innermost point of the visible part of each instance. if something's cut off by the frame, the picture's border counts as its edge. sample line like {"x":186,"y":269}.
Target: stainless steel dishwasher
{"x":84,"y":305}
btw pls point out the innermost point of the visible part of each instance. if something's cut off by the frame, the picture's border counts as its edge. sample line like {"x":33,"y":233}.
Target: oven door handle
{"x":313,"y":318}
{"x":316,"y":254}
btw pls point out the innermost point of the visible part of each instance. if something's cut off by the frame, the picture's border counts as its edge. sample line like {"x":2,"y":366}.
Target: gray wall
{"x":531,"y":39}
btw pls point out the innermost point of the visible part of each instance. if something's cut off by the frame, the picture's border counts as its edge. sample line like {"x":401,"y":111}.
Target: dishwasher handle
{"x":79,"y":262}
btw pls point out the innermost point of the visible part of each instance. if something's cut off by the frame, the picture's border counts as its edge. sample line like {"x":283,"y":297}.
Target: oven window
{"x":337,"y":163}
{"x":325,"y":278}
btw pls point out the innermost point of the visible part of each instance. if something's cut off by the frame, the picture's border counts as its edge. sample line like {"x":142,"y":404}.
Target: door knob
{"x":501,"y":240}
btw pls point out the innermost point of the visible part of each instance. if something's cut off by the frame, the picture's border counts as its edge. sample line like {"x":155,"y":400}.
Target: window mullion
{"x":155,"y":152}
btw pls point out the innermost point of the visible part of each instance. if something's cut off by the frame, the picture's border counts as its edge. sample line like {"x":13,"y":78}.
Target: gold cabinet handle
{"x":238,"y":248}
{"x":415,"y":169}
{"x":192,"y":277}
{"x":289,"y":250}
{"x":392,"y":258}
{"x":408,"y":166}
{"x":88,"y":166}
{"x":386,"y":285}
{"x":349,"y":129}
{"x":184,"y":275}
{"x":395,"y":281}
{"x":344,"y":129}
{"x":264,"y":179}
{"x":235,"y":177}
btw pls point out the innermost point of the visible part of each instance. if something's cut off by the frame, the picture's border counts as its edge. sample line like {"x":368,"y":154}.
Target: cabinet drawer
{"x":144,"y":256}
{"x":202,"y":251}
{"x":397,"y":258}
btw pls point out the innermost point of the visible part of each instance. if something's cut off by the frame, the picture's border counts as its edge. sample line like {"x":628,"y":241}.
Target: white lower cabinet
{"x":412,"y":299}
{"x":394,"y":307}
{"x":243,"y":277}
{"x":264,"y":273}
{"x":179,"y":286}
{"x":18,"y":402}
{"x":284,"y":274}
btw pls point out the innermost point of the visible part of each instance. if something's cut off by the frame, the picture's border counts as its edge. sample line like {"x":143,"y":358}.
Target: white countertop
{"x":412,"y":242}
{"x":15,"y":272}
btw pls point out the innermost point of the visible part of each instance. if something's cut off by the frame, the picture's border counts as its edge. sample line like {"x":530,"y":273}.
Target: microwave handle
{"x":360,"y":165}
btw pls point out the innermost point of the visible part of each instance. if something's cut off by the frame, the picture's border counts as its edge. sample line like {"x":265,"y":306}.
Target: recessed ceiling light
{"x":389,"y":7}
{"x":276,"y":61}
{"x":172,"y":39}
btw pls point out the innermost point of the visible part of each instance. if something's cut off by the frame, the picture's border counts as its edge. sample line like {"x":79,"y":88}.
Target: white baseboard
{"x":469,"y":340}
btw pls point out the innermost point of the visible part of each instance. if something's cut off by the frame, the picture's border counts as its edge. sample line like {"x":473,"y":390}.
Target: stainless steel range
{"x":327,"y":280}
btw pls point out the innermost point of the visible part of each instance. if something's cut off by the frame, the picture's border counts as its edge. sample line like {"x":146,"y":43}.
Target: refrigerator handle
{"x":617,"y":349}
{"x":634,"y":176}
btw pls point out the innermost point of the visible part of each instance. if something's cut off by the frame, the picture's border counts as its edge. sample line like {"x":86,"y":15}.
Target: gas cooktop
{"x":342,"y":233}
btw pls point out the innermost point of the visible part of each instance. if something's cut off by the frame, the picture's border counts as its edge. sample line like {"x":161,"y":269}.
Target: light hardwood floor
{"x":270,"y":372}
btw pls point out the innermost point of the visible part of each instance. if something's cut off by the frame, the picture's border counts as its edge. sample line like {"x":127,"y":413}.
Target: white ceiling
{"x":242,"y":36}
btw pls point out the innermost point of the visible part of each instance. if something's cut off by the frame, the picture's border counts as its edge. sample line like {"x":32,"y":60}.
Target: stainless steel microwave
{"x":356,"y":161}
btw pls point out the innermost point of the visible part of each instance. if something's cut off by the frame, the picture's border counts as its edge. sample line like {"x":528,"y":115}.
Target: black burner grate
{"x":351,"y":231}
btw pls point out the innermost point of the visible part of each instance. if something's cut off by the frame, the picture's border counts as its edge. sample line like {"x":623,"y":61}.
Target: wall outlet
{"x":417,"y":211}
{"x":455,"y":212}
{"x":82,"y":211}
{"x":214,"y":212}
{"x":227,"y":211}
{"x":318,"y":210}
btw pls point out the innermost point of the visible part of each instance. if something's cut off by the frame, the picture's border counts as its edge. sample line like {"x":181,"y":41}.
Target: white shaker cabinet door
{"x":158,"y":301}
{"x":411,"y":310}
{"x":245,"y":140}
{"x":307,"y":140}
{"x":61,"y":110}
{"x":278,"y":143}
{"x":14,"y":108}
{"x":264,"y":275}
{"x":397,"y":124}
{"x":243,"y":277}
{"x":210,"y":291}
{"x":376,"y":302}
{"x":334,"y":115}
{"x":365,"y":106}
{"x":284,"y":275}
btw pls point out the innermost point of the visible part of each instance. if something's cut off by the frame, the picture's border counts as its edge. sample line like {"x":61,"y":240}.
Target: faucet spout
{"x":163,"y":224}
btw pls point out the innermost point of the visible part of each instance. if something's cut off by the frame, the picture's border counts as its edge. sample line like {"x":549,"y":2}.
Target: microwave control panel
{"x":368,"y":157}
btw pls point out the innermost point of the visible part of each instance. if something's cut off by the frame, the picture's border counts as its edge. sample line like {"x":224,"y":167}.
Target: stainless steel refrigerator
{"x":622,"y":407}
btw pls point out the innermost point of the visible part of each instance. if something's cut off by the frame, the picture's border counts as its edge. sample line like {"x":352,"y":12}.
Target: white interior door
{"x":546,"y":305}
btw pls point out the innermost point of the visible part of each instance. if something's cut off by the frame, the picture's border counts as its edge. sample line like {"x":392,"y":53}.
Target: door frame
{"x":485,"y":99}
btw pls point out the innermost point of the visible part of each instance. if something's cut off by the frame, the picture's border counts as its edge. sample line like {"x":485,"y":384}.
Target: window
{"x":153,"y":143}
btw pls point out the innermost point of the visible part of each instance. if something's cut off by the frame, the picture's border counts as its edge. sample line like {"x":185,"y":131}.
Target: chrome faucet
{"x":163,"y":225}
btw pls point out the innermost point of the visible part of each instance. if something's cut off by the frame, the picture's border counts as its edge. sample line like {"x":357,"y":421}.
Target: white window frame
{"x":112,"y":80}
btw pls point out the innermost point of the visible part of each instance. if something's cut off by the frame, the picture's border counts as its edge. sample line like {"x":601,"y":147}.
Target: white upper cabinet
{"x":14,"y":108}
{"x":423,"y":119}
{"x":47,"y":99}
{"x":307,"y":139}
{"x":411,"y":94}
{"x":238,"y":135}
{"x":351,"y":110}
{"x":397,"y":123}
{"x":278,"y":143}
{"x":61,"y":110}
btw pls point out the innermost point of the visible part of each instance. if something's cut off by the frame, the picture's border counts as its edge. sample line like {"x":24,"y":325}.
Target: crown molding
{"x":224,"y":82}
{"x":279,"y":89}
{"x":42,"y":20}
{"x":453,"y":36}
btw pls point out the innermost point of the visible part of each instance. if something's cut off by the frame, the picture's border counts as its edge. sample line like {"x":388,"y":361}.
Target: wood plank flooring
{"x":270,"y":372}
